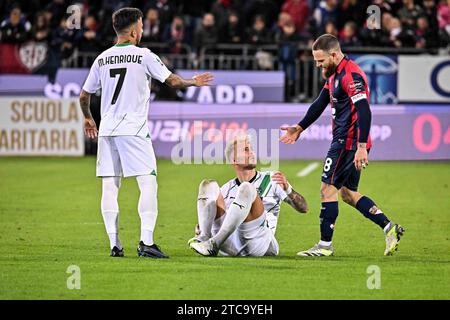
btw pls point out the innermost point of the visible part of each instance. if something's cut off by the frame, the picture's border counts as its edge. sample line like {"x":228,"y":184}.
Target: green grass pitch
{"x":50,"y":219}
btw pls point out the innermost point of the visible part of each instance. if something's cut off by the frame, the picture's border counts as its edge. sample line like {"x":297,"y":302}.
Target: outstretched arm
{"x":177,"y":82}
{"x":313,"y":113}
{"x":316,"y":109}
{"x":90,"y":128}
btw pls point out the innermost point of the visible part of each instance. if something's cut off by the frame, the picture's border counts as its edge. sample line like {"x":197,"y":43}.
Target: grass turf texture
{"x":50,"y":219}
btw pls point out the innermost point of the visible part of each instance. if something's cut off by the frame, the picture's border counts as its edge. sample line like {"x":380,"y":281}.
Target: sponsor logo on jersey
{"x":356,"y":86}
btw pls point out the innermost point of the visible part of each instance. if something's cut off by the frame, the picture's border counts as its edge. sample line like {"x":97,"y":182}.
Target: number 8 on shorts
{"x":327,"y":165}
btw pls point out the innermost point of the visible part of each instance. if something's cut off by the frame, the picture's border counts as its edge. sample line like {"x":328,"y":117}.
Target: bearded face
{"x":325,"y":61}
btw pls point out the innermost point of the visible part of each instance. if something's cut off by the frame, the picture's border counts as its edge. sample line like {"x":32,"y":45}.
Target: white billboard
{"x":424,"y":79}
{"x":40,"y":126}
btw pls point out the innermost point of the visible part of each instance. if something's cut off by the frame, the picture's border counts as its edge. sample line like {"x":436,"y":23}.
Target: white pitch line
{"x":308,"y":169}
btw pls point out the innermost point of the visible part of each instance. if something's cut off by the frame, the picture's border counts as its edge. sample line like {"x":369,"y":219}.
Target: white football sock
{"x":208,"y":192}
{"x":387,"y":227}
{"x":110,"y":209}
{"x":325,"y":243}
{"x":237,"y":212}
{"x":148,"y":206}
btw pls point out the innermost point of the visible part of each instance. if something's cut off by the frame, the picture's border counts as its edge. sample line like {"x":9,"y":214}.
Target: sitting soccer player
{"x":240,"y":218}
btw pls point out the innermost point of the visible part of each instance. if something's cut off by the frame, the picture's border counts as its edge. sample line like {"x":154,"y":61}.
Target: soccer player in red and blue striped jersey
{"x":347,"y":91}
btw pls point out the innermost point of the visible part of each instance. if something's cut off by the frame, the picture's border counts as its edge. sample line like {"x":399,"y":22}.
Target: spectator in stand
{"x":192,"y":12}
{"x":386,"y":19}
{"x":288,"y":35}
{"x":426,"y":38}
{"x":399,"y":36}
{"x":166,"y":10}
{"x":444,"y":23}
{"x":105,"y":16}
{"x":288,"y":42}
{"x":390,"y":6}
{"x":40,"y":31}
{"x":206,"y":33}
{"x":313,"y":4}
{"x":29,"y":8}
{"x":374,"y":34}
{"x":176,"y":34}
{"x":220,"y":10}
{"x":298,"y":10}
{"x":349,"y":36}
{"x":16,"y":28}
{"x":330,"y":27}
{"x":62,"y":40}
{"x":430,"y":11}
{"x":268,"y":9}
{"x":353,"y":10}
{"x":409,"y":13}
{"x":152,"y":27}
{"x":61,"y":46}
{"x":88,"y":40}
{"x":258,"y":33}
{"x":277,"y":30}
{"x":444,"y":15}
{"x":56,"y":11}
{"x":325,"y":12}
{"x":232,"y":32}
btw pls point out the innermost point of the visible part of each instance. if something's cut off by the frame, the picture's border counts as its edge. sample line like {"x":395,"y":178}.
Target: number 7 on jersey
{"x":113,"y":73}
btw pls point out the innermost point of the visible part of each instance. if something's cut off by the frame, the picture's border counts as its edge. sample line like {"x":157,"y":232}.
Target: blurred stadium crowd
{"x":254,"y":34}
{"x":405,"y":23}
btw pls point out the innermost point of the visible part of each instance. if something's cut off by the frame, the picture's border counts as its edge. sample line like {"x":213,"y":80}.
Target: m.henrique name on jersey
{"x":123,"y":58}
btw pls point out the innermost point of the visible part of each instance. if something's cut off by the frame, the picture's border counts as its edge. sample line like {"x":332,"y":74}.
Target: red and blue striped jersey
{"x":347,"y":86}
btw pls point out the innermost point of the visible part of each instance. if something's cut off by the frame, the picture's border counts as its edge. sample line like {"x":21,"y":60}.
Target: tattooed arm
{"x":294,"y":199}
{"x":297,"y":201}
{"x":175,"y":81}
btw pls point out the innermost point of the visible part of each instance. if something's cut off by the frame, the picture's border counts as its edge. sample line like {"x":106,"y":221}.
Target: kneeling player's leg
{"x":328,"y":213}
{"x":365,"y":205}
{"x":207,"y":210}
{"x":147,"y":206}
{"x":242,"y":209}
{"x":110,"y":209}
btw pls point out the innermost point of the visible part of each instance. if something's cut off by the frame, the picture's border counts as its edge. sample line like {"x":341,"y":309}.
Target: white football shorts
{"x":252,"y":238}
{"x":125,"y":156}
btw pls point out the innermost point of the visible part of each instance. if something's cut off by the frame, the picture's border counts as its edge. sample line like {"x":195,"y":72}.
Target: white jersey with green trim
{"x":271,"y":193}
{"x":124,"y":74}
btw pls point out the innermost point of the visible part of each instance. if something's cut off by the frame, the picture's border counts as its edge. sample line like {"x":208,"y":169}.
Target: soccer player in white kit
{"x":240,"y":218}
{"x":124,"y":72}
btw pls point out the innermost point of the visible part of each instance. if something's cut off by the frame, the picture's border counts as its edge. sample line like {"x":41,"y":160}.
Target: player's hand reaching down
{"x":203,"y":79}
{"x":361,"y":158}
{"x":90,"y":128}
{"x":292,"y":134}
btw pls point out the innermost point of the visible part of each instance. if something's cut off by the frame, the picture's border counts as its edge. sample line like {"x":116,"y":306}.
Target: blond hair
{"x":233,"y":144}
